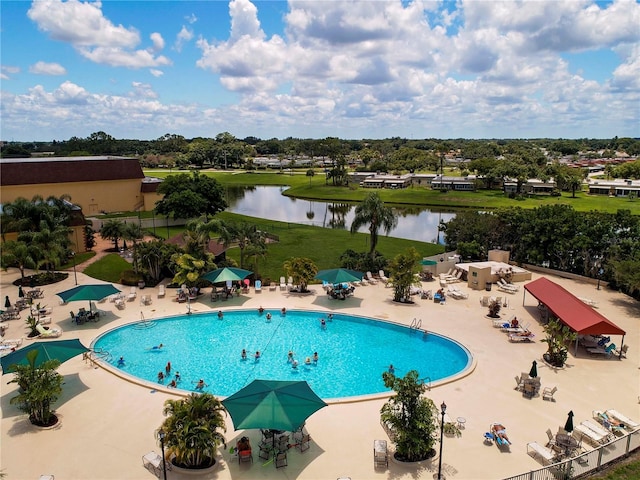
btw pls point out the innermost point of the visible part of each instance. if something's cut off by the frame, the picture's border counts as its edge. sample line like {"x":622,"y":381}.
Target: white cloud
{"x":185,"y":35}
{"x":191,"y":19}
{"x":44,"y":68}
{"x":7,"y":70}
{"x":156,"y":73}
{"x":95,"y":37}
{"x":142,"y":90}
{"x":158,"y":41}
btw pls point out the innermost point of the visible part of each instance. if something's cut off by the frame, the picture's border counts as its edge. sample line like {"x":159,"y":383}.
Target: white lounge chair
{"x":50,"y":333}
{"x":161,"y":291}
{"x":383,"y":277}
{"x":145,"y":300}
{"x":13,"y":342}
{"x":283,"y":284}
{"x":626,"y":421}
{"x":584,"y":432}
{"x":133,"y":293}
{"x":289,"y":283}
{"x":598,"y":429}
{"x":544,"y":453}
{"x":272,"y":286}
{"x":258,"y":286}
{"x":370,"y":279}
{"x":152,"y":461}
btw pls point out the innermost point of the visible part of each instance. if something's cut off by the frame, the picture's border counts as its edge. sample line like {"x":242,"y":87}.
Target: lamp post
{"x":75,"y":275}
{"x":161,"y":434}
{"x":443,"y":409}
{"x":600,"y":272}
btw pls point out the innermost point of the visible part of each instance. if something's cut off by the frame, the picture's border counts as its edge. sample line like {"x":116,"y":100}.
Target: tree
{"x":20,"y":255}
{"x":190,"y":269}
{"x":133,"y":233}
{"x":245,"y":235}
{"x":411,"y":416}
{"x":112,"y":230}
{"x":558,"y":336}
{"x":402,"y":274}
{"x":310,"y":173}
{"x":190,"y":196}
{"x":373,"y":212}
{"x":302,"y":270}
{"x":193,"y":430}
{"x":40,"y":387}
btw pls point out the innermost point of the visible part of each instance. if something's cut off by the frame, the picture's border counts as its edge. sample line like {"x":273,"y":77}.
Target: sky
{"x":316,"y":69}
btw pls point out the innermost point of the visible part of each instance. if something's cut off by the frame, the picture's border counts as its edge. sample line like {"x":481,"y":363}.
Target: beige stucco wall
{"x":93,"y":197}
{"x":150,"y":200}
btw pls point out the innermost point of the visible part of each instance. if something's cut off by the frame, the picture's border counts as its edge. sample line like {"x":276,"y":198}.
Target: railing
{"x":587,"y":462}
{"x":416,"y":323}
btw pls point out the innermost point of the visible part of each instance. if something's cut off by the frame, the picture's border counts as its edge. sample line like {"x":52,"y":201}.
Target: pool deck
{"x":107,"y":422}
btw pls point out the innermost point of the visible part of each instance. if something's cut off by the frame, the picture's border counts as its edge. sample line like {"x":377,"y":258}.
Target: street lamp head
{"x":443,"y":407}
{"x":161,"y":434}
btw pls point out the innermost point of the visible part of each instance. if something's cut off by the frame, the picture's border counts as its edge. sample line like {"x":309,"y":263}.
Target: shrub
{"x":129,"y":277}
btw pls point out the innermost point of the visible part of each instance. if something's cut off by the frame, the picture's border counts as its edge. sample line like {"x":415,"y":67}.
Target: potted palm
{"x":40,"y":387}
{"x":193,"y":431}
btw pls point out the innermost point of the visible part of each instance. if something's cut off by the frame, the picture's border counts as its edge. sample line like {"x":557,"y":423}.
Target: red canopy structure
{"x":570,"y":310}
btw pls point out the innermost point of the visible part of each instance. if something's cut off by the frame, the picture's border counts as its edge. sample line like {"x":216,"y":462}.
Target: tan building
{"x":97,"y":184}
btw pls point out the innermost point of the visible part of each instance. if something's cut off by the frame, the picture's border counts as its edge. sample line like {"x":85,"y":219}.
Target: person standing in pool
{"x":121,"y":362}
{"x":257,"y":356}
{"x":177,"y":377}
{"x":243,"y":355}
{"x":160,"y":377}
{"x":167,"y":369}
{"x":290,"y":356}
{"x":315,"y":358}
{"x":200,"y":385}
{"x":392,"y":369}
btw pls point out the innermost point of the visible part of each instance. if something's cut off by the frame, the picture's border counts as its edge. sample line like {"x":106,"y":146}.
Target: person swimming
{"x":160,"y":377}
{"x":392,"y":369}
{"x":177,"y":377}
{"x":220,"y":314}
{"x":157,"y":347}
{"x":172,"y":384}
{"x":330,"y":316}
{"x":243,"y":355}
{"x":121,"y":362}
{"x":257,"y":356}
{"x":260,"y":310}
{"x":283,"y":311}
{"x":200,"y":385}
{"x":268,"y":316}
{"x":294,"y":365}
{"x":307,"y":361}
{"x":315,"y":357}
{"x":290,"y":356}
{"x":323,"y":323}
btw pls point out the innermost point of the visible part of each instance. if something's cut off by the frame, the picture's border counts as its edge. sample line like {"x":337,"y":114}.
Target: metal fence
{"x":587,"y":462}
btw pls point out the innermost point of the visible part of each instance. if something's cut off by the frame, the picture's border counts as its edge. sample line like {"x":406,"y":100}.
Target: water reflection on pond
{"x":414,"y":223}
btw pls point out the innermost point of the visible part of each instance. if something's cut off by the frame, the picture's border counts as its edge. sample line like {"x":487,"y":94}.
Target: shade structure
{"x":20,"y":292}
{"x":61,"y":350}
{"x":568,"y":426}
{"x":226,"y":274}
{"x":533,"y":373}
{"x":339,"y":275}
{"x":272,"y":404}
{"x":88,"y":292}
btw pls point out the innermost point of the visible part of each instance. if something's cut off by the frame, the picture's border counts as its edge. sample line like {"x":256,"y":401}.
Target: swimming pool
{"x":353,"y":351}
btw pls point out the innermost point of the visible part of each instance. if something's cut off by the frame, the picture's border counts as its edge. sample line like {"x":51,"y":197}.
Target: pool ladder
{"x":427,"y":382}
{"x":416,"y":323}
{"x":101,"y":354}
{"x":144,"y":323}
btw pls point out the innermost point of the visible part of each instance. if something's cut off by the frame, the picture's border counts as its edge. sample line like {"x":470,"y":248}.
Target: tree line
{"x":593,"y":244}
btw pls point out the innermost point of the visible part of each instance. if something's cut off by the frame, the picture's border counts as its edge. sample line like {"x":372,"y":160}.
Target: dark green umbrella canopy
{"x":88,"y":292}
{"x":533,"y":373}
{"x":272,"y":404}
{"x":428,"y":262}
{"x":339,"y":275}
{"x":226,"y":274}
{"x":568,"y":427}
{"x":61,"y":350}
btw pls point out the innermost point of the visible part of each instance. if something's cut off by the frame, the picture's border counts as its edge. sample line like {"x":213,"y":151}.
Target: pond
{"x":414,"y":223}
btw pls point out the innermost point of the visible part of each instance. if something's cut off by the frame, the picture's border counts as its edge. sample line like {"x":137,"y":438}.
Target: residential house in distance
{"x":532,"y":186}
{"x":615,"y":188}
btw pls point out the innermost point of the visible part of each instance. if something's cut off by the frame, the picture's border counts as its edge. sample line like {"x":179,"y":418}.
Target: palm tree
{"x":133,"y":233}
{"x":40,"y":387}
{"x":112,"y":230}
{"x":373,"y":212}
{"x":189,"y":269}
{"x":245,"y":235}
{"x":302,"y":270}
{"x":192,"y":430}
{"x":20,"y":255}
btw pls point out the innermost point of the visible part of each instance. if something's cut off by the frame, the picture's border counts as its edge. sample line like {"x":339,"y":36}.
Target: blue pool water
{"x":353,"y":351}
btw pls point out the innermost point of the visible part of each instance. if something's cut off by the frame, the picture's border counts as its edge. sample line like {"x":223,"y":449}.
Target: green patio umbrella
{"x":61,"y":350}
{"x":428,"y":262}
{"x":88,"y":292}
{"x":568,"y":426}
{"x":272,"y":404}
{"x":226,"y":274}
{"x":533,"y":373}
{"x":339,"y":275}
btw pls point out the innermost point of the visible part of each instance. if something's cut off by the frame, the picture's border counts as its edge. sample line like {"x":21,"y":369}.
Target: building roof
{"x":571,"y":311}
{"x":33,"y":171}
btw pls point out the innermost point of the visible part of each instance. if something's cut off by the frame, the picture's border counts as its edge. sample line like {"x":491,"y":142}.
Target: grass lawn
{"x":323,"y":245}
{"x":79,"y":258}
{"x":314,"y":188}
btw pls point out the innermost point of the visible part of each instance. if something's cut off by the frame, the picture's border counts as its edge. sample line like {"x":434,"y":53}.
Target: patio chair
{"x":283,"y":284}
{"x":281,"y":459}
{"x":152,"y":461}
{"x":48,"y":333}
{"x":272,"y":286}
{"x":161,"y":291}
{"x":245,"y":456}
{"x":13,"y":342}
{"x":132,"y":294}
{"x":303,"y":443}
{"x":370,"y":279}
{"x":258,"y":286}
{"x":599,"y":430}
{"x":265,"y":452}
{"x":119,"y":303}
{"x":622,"y":353}
{"x":289,"y":283}
{"x":383,"y":277}
{"x":581,"y":432}
{"x":547,"y":393}
{"x":551,"y":437}
{"x":145,"y":300}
